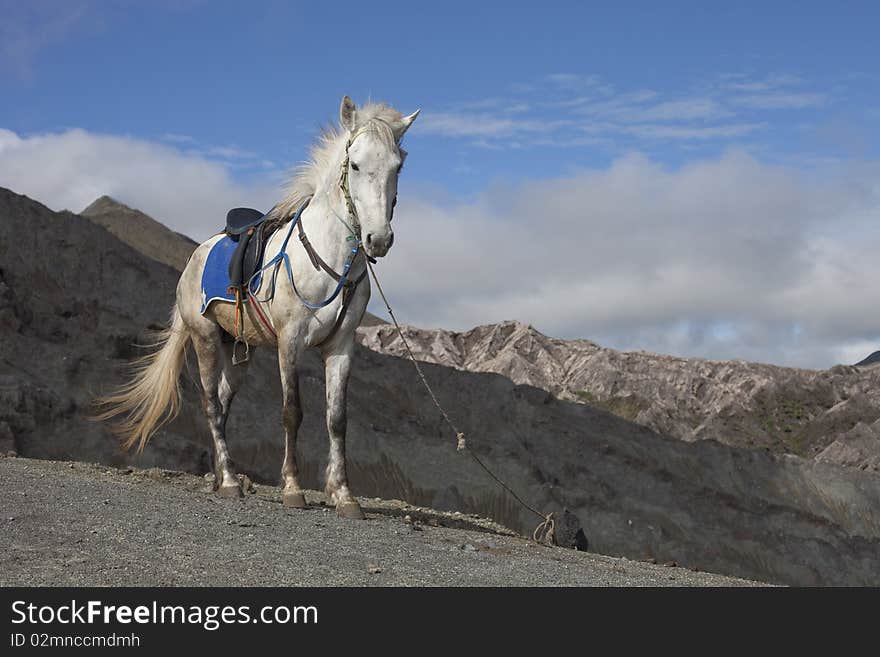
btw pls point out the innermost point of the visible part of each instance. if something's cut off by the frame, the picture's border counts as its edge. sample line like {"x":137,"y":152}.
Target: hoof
{"x":350,"y":509}
{"x":294,"y":500}
{"x":230,"y":492}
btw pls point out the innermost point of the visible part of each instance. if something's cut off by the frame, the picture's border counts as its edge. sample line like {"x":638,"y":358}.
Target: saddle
{"x":238,"y":220}
{"x":245,"y":226}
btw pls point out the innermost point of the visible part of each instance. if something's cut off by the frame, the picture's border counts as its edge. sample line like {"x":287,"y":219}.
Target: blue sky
{"x":621,"y":114}
{"x":509,"y":90}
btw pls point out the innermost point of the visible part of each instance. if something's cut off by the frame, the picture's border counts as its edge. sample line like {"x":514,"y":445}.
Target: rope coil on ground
{"x":544,"y":532}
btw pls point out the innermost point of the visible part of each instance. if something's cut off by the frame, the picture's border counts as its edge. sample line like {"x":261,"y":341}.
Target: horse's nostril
{"x":369,"y":238}
{"x":391,"y":241}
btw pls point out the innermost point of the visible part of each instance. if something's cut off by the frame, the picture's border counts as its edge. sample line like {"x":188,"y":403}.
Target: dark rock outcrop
{"x":873,"y":359}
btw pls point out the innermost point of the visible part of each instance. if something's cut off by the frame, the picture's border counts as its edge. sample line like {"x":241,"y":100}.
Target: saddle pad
{"x":215,"y":276}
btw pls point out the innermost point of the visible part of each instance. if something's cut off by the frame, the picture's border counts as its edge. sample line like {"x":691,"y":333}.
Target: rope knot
{"x":545,"y":532}
{"x":462,"y":444}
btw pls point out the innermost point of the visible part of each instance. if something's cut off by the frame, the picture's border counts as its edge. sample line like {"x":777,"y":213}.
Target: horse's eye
{"x":355,"y":167}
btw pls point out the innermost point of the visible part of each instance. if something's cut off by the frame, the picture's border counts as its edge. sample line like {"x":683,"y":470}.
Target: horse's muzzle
{"x":377,"y":244}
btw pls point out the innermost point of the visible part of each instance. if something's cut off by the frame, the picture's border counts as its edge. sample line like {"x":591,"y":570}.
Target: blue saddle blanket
{"x":215,"y":276}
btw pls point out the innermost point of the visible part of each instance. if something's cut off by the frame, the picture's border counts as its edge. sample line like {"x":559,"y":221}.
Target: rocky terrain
{"x":141,"y":232}
{"x":751,"y":405}
{"x":75,"y":300}
{"x":107,"y":527}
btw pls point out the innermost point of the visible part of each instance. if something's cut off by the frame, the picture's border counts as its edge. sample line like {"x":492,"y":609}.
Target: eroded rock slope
{"x":751,"y":405}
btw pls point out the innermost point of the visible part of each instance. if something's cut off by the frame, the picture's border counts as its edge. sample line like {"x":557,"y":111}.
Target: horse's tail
{"x":152,"y":397}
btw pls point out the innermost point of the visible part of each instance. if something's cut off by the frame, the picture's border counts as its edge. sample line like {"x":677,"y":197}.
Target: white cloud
{"x":631,"y":108}
{"x":573,"y":80}
{"x":619,"y":107}
{"x":687,"y":109}
{"x":508,"y":126}
{"x":746,"y":82}
{"x":726,"y":257}
{"x":773,"y":92}
{"x":780,"y":100}
{"x":558,"y":109}
{"x":173,"y":138}
{"x":654,"y":131}
{"x":722,"y":258}
{"x":477,"y":124}
{"x":30,"y":27}
{"x":69,"y":170}
{"x":231,"y":152}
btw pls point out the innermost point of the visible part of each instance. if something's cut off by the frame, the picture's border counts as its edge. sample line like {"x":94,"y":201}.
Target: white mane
{"x":327,"y":153}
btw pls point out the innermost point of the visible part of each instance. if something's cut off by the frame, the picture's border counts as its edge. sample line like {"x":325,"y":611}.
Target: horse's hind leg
{"x":219,"y":385}
{"x":292,"y":494}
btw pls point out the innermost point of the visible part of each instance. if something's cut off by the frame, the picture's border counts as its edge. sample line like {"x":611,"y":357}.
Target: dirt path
{"x":79,"y":524}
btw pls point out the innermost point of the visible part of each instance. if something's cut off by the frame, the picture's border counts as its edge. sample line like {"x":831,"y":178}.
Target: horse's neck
{"x":325,"y":230}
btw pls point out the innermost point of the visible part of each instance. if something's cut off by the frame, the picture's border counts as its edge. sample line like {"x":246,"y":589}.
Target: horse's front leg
{"x":337,"y":367}
{"x":292,"y":494}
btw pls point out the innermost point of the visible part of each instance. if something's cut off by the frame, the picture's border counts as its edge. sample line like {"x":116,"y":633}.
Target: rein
{"x":545,"y":532}
{"x":341,"y":279}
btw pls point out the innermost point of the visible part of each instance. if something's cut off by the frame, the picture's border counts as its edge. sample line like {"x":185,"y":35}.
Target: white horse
{"x":348,"y":190}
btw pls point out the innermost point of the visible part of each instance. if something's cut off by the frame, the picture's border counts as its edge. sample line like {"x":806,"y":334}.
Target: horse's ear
{"x":347,"y":113}
{"x":406,"y":122}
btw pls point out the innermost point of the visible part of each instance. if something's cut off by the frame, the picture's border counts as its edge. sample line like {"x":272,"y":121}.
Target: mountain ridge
{"x":141,"y":231}
{"x":751,"y":405}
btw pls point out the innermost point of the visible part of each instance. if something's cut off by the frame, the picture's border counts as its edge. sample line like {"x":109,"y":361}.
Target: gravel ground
{"x":77,"y":524}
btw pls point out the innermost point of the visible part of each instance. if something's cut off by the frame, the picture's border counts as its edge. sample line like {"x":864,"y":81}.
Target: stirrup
{"x":236,"y":360}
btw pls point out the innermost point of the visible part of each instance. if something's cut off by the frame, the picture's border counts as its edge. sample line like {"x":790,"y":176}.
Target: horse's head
{"x":373,"y":162}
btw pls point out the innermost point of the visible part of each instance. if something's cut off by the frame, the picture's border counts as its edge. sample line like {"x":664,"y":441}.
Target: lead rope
{"x":544,"y":532}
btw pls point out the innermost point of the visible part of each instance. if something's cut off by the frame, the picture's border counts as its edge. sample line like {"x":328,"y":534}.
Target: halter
{"x":355,"y":227}
{"x":346,"y":192}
